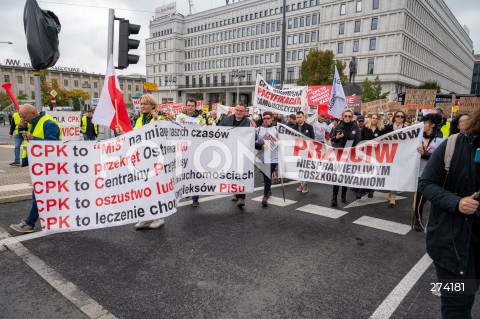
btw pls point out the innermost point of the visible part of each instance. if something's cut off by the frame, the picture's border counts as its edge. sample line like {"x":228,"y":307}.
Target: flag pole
{"x":116,"y":112}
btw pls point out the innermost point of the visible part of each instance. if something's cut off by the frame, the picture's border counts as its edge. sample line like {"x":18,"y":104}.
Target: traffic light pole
{"x":111,"y":18}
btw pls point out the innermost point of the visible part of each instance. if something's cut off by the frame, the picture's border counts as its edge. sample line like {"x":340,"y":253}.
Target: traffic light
{"x":125,"y":44}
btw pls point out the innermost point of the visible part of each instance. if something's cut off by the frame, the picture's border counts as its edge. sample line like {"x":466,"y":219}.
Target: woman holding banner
{"x":148,"y":114}
{"x":399,"y":119}
{"x":346,"y":132}
{"x":265,"y":142}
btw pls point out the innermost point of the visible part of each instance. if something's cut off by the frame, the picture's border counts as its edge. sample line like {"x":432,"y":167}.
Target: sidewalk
{"x":15,"y":183}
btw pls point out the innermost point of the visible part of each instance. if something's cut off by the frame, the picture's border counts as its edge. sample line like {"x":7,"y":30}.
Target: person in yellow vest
{"x":445,"y":125}
{"x":17,"y":138}
{"x":148,"y":114}
{"x":42,"y":127}
{"x":88,"y":129}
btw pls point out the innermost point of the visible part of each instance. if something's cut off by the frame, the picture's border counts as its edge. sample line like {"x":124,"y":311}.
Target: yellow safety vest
{"x":16,"y":120}
{"x":39,"y":133}
{"x":446,"y":129}
{"x":139,"y":122}
{"x":83,"y":128}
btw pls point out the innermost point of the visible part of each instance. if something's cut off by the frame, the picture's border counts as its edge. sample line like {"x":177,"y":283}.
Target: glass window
{"x":314,"y":36}
{"x":294,"y":56}
{"x":376,"y":4}
{"x":371,"y":66}
{"x":373,"y":43}
{"x":268,"y":27}
{"x":263,"y":28}
{"x":302,"y":22}
{"x":314,"y":19}
{"x":19,"y":79}
{"x":295,"y":39}
{"x":343,"y":9}
{"x":374,"y":23}
{"x":289,"y":56}
{"x":307,"y":21}
{"x":357,"y":26}
{"x":300,"y":38}
{"x":295,"y":23}
{"x":340,"y":47}
{"x":358,"y":8}
{"x":356,"y":45}
{"x":289,"y":40}
{"x":273,"y":26}
{"x":307,"y":37}
{"x":289,"y":23}
{"x":65,"y":82}
{"x":341,"y":28}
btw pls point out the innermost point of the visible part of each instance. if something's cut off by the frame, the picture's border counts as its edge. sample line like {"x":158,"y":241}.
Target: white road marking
{"x":277,"y":201}
{"x":385,"y":225}
{"x":378,"y":197}
{"x":390,"y":304}
{"x":322,"y":211}
{"x":15,"y":187}
{"x":67,"y":289}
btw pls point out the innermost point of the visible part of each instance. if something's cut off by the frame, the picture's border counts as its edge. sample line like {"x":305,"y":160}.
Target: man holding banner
{"x":307,"y":130}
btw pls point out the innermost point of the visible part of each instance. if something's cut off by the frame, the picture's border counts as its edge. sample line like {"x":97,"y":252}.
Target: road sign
{"x":53,"y":93}
{"x":53,"y":101}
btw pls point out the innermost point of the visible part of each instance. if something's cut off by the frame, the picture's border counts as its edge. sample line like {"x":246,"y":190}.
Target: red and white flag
{"x":108,"y":112}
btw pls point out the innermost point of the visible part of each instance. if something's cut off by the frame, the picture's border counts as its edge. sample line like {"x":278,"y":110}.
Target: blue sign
{"x":273,"y":82}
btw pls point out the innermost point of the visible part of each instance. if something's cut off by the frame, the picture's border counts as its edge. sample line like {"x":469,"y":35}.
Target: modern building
{"x":404,"y":42}
{"x":21,"y":77}
{"x":476,"y":76}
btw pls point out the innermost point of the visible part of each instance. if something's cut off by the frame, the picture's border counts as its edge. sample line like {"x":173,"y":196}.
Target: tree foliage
{"x":430,"y":85}
{"x":372,"y":91}
{"x":318,"y":68}
{"x":6,"y":101}
{"x":63,"y":95}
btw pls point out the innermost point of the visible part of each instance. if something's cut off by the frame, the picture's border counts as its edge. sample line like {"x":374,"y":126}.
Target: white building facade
{"x":403,"y":42}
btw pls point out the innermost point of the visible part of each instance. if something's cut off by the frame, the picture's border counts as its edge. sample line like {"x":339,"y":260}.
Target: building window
{"x":295,"y":23}
{"x":356,"y":45}
{"x":6,"y":77}
{"x":341,"y":28}
{"x":65,"y":82}
{"x":302,"y":22}
{"x":290,"y":23}
{"x":357,"y":26}
{"x":371,"y":65}
{"x":75,"y":83}
{"x":289,"y":56}
{"x":314,"y":19}
{"x":358,"y":8}
{"x":373,"y":43}
{"x":307,"y":21}
{"x":290,"y":74}
{"x":32,"y":95}
{"x":343,"y":9}
{"x":376,"y":4}
{"x":307,"y":37}
{"x":340,"y":47}
{"x":20,"y":79}
{"x":314,"y":36}
{"x":32,"y":82}
{"x":374,"y":23}
{"x":95,"y":95}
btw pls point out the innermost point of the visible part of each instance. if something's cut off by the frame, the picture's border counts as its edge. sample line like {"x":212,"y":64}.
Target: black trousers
{"x":458,"y":305}
{"x":267,"y":179}
{"x":336,"y":188}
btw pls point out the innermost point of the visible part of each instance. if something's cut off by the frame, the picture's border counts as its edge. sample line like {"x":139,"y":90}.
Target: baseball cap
{"x":360,"y":118}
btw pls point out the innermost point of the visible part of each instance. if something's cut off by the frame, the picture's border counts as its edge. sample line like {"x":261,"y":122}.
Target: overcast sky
{"x":83,"y":39}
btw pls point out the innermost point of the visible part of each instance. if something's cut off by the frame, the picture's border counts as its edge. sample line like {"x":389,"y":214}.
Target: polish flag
{"x":111,"y":110}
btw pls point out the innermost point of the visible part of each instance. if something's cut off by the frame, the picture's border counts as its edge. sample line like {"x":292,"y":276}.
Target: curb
{"x":16,"y":198}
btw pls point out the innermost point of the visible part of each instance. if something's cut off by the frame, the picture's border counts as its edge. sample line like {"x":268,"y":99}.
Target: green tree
{"x":372,"y":91}
{"x":430,"y":85}
{"x":318,"y":68}
{"x":5,"y":100}
{"x":21,"y":97}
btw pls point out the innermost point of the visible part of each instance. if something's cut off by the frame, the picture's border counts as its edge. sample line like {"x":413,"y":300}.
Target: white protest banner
{"x":137,"y":176}
{"x":270,"y":140}
{"x":286,"y":102}
{"x":186,"y":119}
{"x":136,"y":106}
{"x":70,"y":123}
{"x":223,"y":109}
{"x":389,"y":162}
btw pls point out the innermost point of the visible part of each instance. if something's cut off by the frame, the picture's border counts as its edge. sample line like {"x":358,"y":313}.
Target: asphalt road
{"x":217,"y":261}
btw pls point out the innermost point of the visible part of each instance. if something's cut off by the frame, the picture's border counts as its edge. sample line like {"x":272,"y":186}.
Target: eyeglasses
{"x":237,"y":110}
{"x":361,"y":121}
{"x":347,"y":116}
{"x":399,"y":116}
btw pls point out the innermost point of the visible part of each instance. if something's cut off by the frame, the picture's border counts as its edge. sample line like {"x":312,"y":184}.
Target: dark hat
{"x":293,"y":116}
{"x":360,"y":118}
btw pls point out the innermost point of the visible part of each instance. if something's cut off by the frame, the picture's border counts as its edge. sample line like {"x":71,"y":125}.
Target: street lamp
{"x":170,"y":80}
{"x":6,"y":42}
{"x":238,"y":74}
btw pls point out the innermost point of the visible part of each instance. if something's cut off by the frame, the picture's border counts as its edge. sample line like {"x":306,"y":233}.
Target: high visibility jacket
{"x":83,"y":128}
{"x":445,"y":129}
{"x":39,"y":133}
{"x":139,"y":122}
{"x":16,"y":120}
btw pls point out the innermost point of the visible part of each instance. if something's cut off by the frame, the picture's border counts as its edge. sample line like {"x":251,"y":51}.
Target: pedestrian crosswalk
{"x":277,"y":201}
{"x":382,"y":224}
{"x":322,"y":211}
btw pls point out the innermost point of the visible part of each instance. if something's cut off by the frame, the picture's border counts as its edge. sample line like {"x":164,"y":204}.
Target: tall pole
{"x":284,"y":35}
{"x":111,"y":18}
{"x":238,"y":90}
{"x":38,"y":90}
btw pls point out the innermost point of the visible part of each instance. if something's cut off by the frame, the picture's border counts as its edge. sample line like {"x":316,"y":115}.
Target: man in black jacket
{"x":453,"y":229}
{"x":346,"y":131}
{"x":307,"y":130}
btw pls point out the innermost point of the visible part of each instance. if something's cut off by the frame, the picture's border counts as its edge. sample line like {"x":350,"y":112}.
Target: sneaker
{"x":264,"y":201}
{"x":157,"y":223}
{"x":143,"y":224}
{"x":417,"y":226}
{"x":334,"y":201}
{"x":22,"y":227}
{"x":240,"y":202}
{"x":15,"y":164}
{"x":195,"y":204}
{"x":300,"y":188}
{"x":234,"y":198}
{"x":305,"y":189}
{"x":370,"y":194}
{"x":359,"y":195}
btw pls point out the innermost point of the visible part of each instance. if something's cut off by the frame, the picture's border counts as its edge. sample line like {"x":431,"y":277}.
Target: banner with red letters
{"x":389,"y":162}
{"x":70,"y":123}
{"x":137,"y":176}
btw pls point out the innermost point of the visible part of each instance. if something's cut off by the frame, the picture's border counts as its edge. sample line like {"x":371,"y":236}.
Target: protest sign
{"x":468,"y":104}
{"x":420,"y":99}
{"x":376,"y":106}
{"x":223,"y":109}
{"x":137,"y":176}
{"x":354,"y":103}
{"x":136,"y":106}
{"x":175,"y":108}
{"x":389,"y":162}
{"x":446,"y":107}
{"x":286,"y":102}
{"x":319,"y":94}
{"x":70,"y":123}
{"x":394,"y":106}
